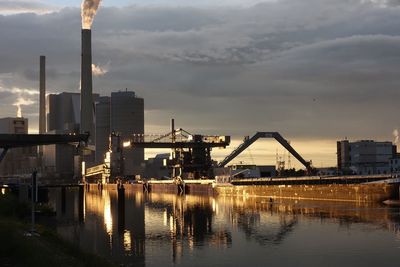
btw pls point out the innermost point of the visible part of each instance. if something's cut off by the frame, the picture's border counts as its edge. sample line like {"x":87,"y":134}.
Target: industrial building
{"x":102,"y":122}
{"x":18,"y":160}
{"x":123,"y":115}
{"x":364,"y":157}
{"x":395,"y":165}
{"x":157,"y":167}
{"x":63,"y":112}
{"x":63,"y":117}
{"x":252,"y":171}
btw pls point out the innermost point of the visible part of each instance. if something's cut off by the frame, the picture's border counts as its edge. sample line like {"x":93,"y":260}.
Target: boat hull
{"x":373,"y":192}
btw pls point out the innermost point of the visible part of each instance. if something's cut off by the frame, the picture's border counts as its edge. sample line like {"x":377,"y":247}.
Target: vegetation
{"x":45,"y":249}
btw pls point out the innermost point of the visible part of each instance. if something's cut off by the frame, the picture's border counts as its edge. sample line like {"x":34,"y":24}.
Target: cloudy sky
{"x":314,"y":70}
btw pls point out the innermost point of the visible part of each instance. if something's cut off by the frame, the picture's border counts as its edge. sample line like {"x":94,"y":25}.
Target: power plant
{"x":116,"y":142}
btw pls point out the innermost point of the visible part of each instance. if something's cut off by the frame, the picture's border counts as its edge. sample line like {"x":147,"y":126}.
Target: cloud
{"x":323,"y":72}
{"x":19,"y":91}
{"x":9,"y":7}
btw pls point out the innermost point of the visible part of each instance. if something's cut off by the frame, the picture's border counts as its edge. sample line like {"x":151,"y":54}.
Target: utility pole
{"x":33,"y":198}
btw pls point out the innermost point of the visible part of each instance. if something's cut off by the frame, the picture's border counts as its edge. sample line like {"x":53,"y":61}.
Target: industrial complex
{"x":116,"y":142}
{"x":101,"y":139}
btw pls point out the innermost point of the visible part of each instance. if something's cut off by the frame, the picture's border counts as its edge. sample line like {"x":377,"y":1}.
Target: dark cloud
{"x":18,"y":6}
{"x":323,"y":72}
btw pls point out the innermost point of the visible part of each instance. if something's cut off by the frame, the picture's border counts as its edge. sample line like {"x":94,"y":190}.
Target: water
{"x":169,"y":230}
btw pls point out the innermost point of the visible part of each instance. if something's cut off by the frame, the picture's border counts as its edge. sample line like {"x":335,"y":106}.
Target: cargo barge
{"x":341,"y":188}
{"x":351,"y":188}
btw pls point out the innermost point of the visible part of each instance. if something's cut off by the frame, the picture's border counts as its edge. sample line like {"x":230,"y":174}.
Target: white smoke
{"x":22,"y":102}
{"x":88,"y":11}
{"x":396,"y":136}
{"x":98,"y":70}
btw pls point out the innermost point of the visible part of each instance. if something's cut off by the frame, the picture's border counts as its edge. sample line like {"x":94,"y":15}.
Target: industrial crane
{"x":248,"y":141}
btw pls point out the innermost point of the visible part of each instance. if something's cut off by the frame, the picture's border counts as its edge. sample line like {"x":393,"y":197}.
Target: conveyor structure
{"x":8,"y":141}
{"x":190,"y":152}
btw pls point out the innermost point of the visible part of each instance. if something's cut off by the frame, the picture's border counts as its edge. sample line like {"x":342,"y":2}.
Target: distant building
{"x":395,"y":165}
{"x":18,"y":160}
{"x":157,"y":167}
{"x":122,"y":114}
{"x":63,"y":117}
{"x":58,"y":160}
{"x":102,"y":127}
{"x":365,"y":157}
{"x":14,"y":125}
{"x":252,"y":171}
{"x":63,"y":112}
{"x":127,"y":118}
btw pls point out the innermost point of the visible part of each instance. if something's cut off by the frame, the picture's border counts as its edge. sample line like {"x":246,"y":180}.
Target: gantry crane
{"x":248,"y":141}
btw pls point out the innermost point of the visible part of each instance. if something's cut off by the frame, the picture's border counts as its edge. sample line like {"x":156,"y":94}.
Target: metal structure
{"x":190,"y":153}
{"x":248,"y":141}
{"x":8,"y":141}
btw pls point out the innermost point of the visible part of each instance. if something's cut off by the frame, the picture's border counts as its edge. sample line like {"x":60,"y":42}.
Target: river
{"x":151,"y":229}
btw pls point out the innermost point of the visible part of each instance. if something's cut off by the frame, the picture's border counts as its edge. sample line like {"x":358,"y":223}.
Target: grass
{"x":46,"y":249}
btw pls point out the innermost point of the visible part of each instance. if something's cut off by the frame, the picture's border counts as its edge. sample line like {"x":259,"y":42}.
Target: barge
{"x":340,"y":188}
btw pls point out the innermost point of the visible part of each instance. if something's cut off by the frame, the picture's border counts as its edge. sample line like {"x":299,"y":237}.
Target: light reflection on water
{"x":167,"y":230}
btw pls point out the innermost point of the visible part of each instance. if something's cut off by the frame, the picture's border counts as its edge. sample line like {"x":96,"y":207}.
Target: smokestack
{"x":42,"y":96}
{"x":87,"y":111}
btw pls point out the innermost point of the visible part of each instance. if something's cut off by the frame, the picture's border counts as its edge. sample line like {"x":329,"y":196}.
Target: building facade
{"x":63,"y":112}
{"x":102,"y":127}
{"x":365,"y":157}
{"x":123,"y":115}
{"x":19,"y":160}
{"x":63,"y":117}
{"x":127,"y":118}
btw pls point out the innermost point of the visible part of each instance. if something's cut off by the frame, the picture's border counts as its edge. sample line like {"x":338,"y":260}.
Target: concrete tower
{"x":42,"y":96}
{"x":87,"y":108}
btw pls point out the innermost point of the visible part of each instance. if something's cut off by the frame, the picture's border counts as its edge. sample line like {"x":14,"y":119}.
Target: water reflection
{"x":137,"y":229}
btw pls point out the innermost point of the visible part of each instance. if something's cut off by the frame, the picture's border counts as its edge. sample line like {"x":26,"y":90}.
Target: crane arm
{"x":247,"y":142}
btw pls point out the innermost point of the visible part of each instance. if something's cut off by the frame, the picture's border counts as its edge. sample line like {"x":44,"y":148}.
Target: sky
{"x":317,"y":71}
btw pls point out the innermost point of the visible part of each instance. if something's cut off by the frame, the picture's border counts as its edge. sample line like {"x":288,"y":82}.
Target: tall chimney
{"x":42,"y":96}
{"x":87,"y":108}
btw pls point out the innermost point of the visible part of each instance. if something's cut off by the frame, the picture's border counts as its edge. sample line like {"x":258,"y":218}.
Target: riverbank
{"x":45,"y":249}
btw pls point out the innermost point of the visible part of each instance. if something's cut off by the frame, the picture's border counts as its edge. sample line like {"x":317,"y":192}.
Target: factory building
{"x":13,"y":125}
{"x":102,"y":128}
{"x":63,"y":117}
{"x":123,"y":115}
{"x":364,"y":157}
{"x":63,"y":112}
{"x":127,"y":118}
{"x":18,"y":160}
{"x":157,"y":167}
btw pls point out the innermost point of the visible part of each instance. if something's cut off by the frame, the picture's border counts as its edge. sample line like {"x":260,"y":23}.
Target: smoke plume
{"x":88,"y":11}
{"x":22,"y":102}
{"x":396,"y":136}
{"x":99,"y":70}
